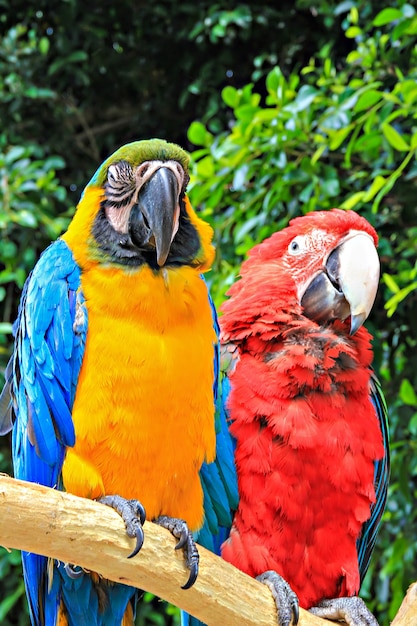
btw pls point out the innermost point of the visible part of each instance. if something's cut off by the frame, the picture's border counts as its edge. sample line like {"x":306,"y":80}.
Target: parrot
{"x":111,"y":388}
{"x":306,"y":415}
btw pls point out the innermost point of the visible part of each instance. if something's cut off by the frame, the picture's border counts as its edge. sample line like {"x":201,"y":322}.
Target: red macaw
{"x":115,"y":363}
{"x":307,"y":414}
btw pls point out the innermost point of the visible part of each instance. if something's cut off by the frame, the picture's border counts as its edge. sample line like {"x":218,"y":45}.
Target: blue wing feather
{"x":49,"y":346}
{"x":366,"y":542}
{"x":219,"y":479}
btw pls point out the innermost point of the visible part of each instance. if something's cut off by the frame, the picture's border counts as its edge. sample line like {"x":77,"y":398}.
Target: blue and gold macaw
{"x":112,"y":385}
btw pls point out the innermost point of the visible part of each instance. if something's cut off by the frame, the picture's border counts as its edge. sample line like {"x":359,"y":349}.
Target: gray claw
{"x":72,"y":572}
{"x":185,"y":542}
{"x":352,"y":610}
{"x":286,"y":600}
{"x":133,"y":514}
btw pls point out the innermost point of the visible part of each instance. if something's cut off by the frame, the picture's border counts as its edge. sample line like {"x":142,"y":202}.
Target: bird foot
{"x":186,"y":542}
{"x":285,"y":599}
{"x":352,"y":610}
{"x":72,"y":572}
{"x":132,"y":513}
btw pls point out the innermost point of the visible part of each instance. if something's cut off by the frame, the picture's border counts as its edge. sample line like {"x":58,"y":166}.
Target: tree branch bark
{"x":407,"y":613}
{"x":84,"y":532}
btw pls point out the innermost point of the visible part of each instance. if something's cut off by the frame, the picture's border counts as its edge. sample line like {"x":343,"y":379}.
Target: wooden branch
{"x":89,"y":534}
{"x":407,"y":613}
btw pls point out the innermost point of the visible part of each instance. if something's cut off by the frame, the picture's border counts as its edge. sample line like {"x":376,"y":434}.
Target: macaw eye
{"x":297,"y":245}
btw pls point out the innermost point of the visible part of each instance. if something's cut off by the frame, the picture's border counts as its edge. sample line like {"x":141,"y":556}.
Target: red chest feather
{"x":307,"y":438}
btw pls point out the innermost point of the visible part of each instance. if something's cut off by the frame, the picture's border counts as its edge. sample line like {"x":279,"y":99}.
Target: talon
{"x":285,"y":598}
{"x":186,"y":542}
{"x":295,"y":610}
{"x":139,"y":542}
{"x":140,"y":510}
{"x":133,"y":514}
{"x":183,"y":540}
{"x":72,"y":572}
{"x":192,"y":577}
{"x":351,"y":610}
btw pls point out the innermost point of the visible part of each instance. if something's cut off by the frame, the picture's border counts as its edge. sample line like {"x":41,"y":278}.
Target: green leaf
{"x":7,"y":604}
{"x":343,"y":7}
{"x":354,"y":15}
{"x":337,"y":137}
{"x":276,"y":85}
{"x":353,"y":31}
{"x":353,"y":200}
{"x":394,"y":138}
{"x":44,"y":45}
{"x":218,"y":31}
{"x":25,"y":218}
{"x":368,"y":99}
{"x":54,"y":163}
{"x":198,"y":134}
{"x":303,"y":99}
{"x":274,"y":80}
{"x":405,"y":27}
{"x":246,"y":112}
{"x":246,"y":227}
{"x":230,"y":96}
{"x":307,"y":192}
{"x":407,"y":393}
{"x":79,"y":56}
{"x":377,"y":184}
{"x":240,"y":177}
{"x":331,"y":187}
{"x":318,"y":153}
{"x":399,"y":295}
{"x":15,"y":153}
{"x":390,"y":283}
{"x":386,"y":16}
{"x":205,"y":167}
{"x":413,"y":141}
{"x":412,"y":425}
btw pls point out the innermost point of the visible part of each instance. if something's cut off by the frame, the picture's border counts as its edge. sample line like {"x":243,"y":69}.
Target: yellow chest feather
{"x":144,"y":408}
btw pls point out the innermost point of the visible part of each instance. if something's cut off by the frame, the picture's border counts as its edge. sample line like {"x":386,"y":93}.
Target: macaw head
{"x":136,"y":210}
{"x":324,"y":266}
{"x":345,"y":282}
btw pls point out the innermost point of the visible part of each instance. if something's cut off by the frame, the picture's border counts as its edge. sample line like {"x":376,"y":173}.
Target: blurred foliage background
{"x":286,"y":108}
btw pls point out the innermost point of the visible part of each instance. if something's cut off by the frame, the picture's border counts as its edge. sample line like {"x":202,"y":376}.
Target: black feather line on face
{"x":120,"y":185}
{"x":118,"y":247}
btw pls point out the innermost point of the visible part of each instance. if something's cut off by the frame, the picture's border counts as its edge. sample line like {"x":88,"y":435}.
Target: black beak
{"x":154,"y":219}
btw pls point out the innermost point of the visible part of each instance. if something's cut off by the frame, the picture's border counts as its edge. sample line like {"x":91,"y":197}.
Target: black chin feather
{"x":120,"y":249}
